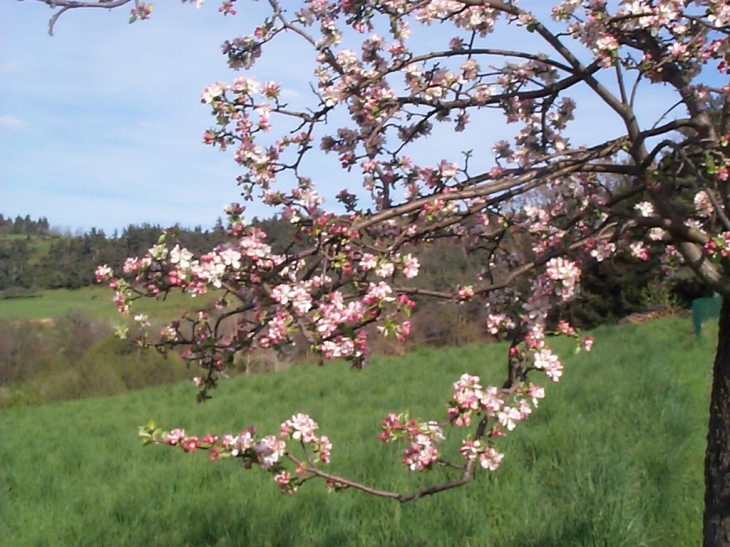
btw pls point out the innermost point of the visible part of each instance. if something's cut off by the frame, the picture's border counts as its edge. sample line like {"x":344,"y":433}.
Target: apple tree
{"x":404,"y":95}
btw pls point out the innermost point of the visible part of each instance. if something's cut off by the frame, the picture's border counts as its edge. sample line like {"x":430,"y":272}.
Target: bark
{"x":717,"y":458}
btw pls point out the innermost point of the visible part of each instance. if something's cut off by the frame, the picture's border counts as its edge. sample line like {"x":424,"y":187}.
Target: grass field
{"x":94,"y":301}
{"x":613,"y":457}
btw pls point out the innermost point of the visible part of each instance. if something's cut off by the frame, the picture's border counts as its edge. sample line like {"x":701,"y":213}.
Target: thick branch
{"x":475,"y":190}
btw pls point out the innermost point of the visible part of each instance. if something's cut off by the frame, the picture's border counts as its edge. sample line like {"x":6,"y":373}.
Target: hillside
{"x":612,"y":457}
{"x":96,"y":302}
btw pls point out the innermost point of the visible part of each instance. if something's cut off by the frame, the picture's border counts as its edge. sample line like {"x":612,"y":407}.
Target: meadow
{"x":95,"y":302}
{"x":39,"y":244}
{"x":613,"y":457}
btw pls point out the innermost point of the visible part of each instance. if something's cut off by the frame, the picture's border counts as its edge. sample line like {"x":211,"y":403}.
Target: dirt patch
{"x":643,"y":317}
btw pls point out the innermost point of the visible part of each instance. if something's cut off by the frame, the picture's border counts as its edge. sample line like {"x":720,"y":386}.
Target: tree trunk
{"x":717,"y":458}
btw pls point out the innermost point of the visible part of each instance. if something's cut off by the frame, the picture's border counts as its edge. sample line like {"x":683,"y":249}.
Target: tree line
{"x":24,"y":225}
{"x":34,"y":257}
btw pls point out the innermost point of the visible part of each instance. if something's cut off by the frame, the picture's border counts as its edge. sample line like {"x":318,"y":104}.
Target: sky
{"x":101,"y":125}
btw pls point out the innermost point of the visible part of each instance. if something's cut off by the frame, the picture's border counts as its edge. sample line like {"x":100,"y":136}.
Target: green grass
{"x":613,"y":457}
{"x":95,"y":302}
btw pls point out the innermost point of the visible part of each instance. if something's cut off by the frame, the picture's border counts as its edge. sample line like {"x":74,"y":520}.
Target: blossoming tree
{"x":537,"y":206}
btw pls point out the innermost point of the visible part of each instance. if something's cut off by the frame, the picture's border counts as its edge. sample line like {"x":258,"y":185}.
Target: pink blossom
{"x":190,"y":444}
{"x":509,"y":417}
{"x":385,"y":269}
{"x":410,"y":266}
{"x":536,"y":393}
{"x":239,"y":444}
{"x":639,"y":250}
{"x":546,"y":360}
{"x":471,"y":449}
{"x":645,"y":209}
{"x":587,"y":343}
{"x":603,"y":250}
{"x":212,"y":92}
{"x":323,"y":448}
{"x":284,"y":480}
{"x":565,"y":271}
{"x":175,"y":436}
{"x":703,"y":205}
{"x":269,"y":451}
{"x":103,"y":273}
{"x":421,"y":454}
{"x":464,"y":293}
{"x":565,"y":328}
{"x":490,"y":459}
{"x":300,"y":427}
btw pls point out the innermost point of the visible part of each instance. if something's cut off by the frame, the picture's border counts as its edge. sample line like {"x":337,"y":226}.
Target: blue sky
{"x":101,"y":124}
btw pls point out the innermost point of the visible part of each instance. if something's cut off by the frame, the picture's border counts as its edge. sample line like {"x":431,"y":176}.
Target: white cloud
{"x":9,"y":66}
{"x":11,"y":122}
{"x":291,"y":94}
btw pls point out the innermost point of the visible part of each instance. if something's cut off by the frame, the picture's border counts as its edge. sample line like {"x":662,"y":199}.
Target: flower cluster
{"x":719,"y":246}
{"x":424,"y":439}
{"x":301,"y":427}
{"x":488,"y":456}
{"x":269,"y":452}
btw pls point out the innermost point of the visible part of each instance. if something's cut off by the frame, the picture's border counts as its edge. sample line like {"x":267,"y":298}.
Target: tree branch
{"x":67,"y":5}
